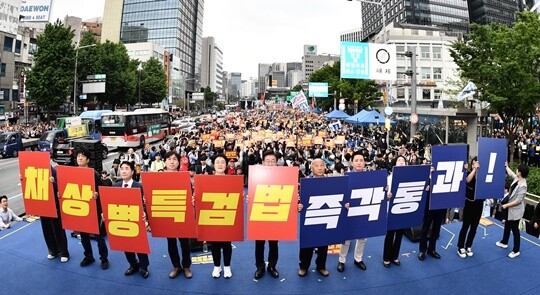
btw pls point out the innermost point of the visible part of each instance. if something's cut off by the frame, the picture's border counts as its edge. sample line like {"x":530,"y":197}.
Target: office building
{"x":486,"y":12}
{"x":174,"y":25}
{"x":212,"y":66}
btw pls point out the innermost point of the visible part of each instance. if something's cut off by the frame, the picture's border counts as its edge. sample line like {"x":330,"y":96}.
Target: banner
{"x":409,"y":196}
{"x":491,"y":176}
{"x":219,"y":200}
{"x":448,"y":179}
{"x":76,"y":187}
{"x":169,"y":204}
{"x":273,"y":203}
{"x":123,"y":214}
{"x":366,"y":216}
{"x":37,"y":189}
{"x":322,"y":219}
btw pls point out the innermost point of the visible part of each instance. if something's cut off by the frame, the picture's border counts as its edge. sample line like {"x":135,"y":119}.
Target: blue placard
{"x":322,"y":220}
{"x":491,"y":175}
{"x":448,"y":179}
{"x":409,"y":195}
{"x":354,"y":60}
{"x":366,"y":216}
{"x":318,"y":89}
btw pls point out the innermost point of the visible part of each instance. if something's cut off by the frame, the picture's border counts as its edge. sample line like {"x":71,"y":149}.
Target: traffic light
{"x":409,"y":73}
{"x":408,"y":53}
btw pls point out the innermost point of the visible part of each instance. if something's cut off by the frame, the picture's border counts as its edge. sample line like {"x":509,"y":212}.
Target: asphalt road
{"x":10,"y":184}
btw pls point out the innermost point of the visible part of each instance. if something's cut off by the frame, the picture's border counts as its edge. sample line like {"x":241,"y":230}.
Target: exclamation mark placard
{"x":491,"y":167}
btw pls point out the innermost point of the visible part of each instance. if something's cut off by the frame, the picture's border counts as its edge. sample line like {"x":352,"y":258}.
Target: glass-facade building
{"x":502,"y":11}
{"x":176,"y":25}
{"x":451,"y":16}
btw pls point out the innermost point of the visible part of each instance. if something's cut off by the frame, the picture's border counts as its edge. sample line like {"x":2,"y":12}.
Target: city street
{"x":10,"y":184}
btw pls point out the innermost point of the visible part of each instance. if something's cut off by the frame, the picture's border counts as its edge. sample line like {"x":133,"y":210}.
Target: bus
{"x":92,"y":119}
{"x":134,"y":129}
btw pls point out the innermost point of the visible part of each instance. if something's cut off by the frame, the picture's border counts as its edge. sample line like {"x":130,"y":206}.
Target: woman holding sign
{"x":172,"y":164}
{"x":220,"y":167}
{"x":472,"y":212}
{"x":515,"y":206}
{"x":392,"y":241}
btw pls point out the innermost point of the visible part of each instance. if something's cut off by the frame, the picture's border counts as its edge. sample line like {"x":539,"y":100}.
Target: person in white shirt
{"x":7,"y":217}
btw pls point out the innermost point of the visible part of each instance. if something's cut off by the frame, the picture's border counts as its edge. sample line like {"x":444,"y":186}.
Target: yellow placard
{"x":318,"y":140}
{"x":77,"y":131}
{"x":290,"y":143}
{"x":322,"y":133}
{"x":219,"y":143}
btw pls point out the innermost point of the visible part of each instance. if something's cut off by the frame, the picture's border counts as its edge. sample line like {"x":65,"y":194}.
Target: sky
{"x":250,"y":32}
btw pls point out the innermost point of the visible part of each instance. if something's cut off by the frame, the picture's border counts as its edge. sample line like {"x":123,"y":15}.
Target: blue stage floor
{"x":26,"y":269}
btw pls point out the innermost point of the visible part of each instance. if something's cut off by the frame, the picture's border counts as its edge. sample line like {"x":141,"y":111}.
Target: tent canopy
{"x":337,"y":114}
{"x":371,"y":117}
{"x":356,"y":118}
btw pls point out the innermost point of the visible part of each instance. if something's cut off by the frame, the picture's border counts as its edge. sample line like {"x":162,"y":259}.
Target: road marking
{"x":15,"y":196}
{"x":449,"y":242}
{"x":532,"y":242}
{"x":15,"y":231}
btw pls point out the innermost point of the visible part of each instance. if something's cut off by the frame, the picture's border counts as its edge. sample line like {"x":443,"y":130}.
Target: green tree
{"x":50,"y":81}
{"x":121,"y":74}
{"x":504,"y":63}
{"x":363,"y":91}
{"x":153,"y":82}
{"x":209,"y":96}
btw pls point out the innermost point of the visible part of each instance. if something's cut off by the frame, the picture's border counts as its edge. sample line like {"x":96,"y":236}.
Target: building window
{"x":5,"y":94}
{"x":437,"y":53}
{"x":3,"y":70}
{"x":8,"y":44}
{"x":437,"y":94}
{"x":437,"y":73}
{"x":401,"y":73}
{"x":18,"y":46}
{"x":425,"y":52}
{"x":425,"y":73}
{"x":426,"y":93}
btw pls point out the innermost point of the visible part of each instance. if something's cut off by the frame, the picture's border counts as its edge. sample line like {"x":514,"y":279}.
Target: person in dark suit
{"x":269,"y":159}
{"x":172,"y":164}
{"x":432,"y":219}
{"x":127,"y":170}
{"x":83,"y":158}
{"x":202,"y":167}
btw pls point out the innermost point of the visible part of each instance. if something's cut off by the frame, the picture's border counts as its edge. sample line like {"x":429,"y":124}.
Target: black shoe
{"x":360,"y":265}
{"x":386,"y":264}
{"x":434,"y":254}
{"x":340,"y":267}
{"x":273,"y":272}
{"x":131,"y":270}
{"x":144,"y":273}
{"x":104,"y":264}
{"x":396,"y":262}
{"x":422,"y":256}
{"x":87,"y":261}
{"x":259,"y":273}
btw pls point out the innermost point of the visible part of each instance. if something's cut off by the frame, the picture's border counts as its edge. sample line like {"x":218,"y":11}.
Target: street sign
{"x":318,"y":89}
{"x":368,"y":61}
{"x":414,"y":118}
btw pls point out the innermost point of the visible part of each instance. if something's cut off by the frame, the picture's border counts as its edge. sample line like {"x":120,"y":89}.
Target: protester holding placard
{"x":172,"y":164}
{"x":269,"y":159}
{"x":220,"y":166}
{"x":83,"y":158}
{"x":516,"y":207}
{"x":358,"y":164}
{"x":127,"y":171}
{"x":472,"y":212}
{"x":392,"y":240}
{"x":318,"y":168}
{"x":433,"y":220}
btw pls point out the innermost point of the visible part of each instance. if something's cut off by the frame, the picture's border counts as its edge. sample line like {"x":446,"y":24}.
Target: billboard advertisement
{"x":36,"y":10}
{"x":318,"y":89}
{"x":368,"y":61}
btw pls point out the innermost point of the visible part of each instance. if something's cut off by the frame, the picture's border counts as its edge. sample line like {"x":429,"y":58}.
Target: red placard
{"x":273,"y":203}
{"x":37,"y":189}
{"x":219,"y":200}
{"x":76,"y":187}
{"x":169,"y":204}
{"x":123,"y":213}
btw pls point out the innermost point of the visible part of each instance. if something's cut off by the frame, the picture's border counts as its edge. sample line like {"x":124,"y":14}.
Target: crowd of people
{"x":288,"y":137}
{"x":28,"y":130}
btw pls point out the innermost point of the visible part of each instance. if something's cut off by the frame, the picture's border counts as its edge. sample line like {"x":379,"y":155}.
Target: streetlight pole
{"x":195,"y":81}
{"x":139,"y":70}
{"x":75,"y":76}
{"x":381,"y":4}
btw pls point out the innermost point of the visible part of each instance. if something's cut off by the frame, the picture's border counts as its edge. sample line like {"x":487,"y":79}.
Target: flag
{"x":468,"y":91}
{"x":391,"y":99}
{"x":313,"y":102}
{"x":440,"y":105}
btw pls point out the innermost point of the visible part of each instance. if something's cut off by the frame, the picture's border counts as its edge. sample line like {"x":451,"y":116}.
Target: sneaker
{"x":469,"y":252}
{"x":64,"y":259}
{"x":499,"y":244}
{"x":227,"y":272}
{"x":462,"y":253}
{"x":513,"y":254}
{"x":51,"y":256}
{"x":217,"y":272}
